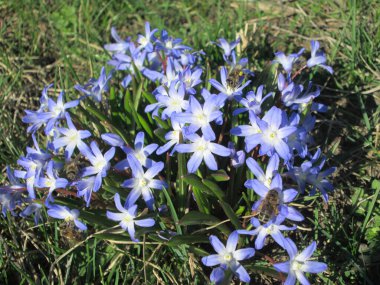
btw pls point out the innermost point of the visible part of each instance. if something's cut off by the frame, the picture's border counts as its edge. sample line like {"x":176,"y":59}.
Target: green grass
{"x":42,"y":42}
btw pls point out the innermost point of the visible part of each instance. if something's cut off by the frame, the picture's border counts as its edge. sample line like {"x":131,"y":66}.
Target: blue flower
{"x":173,"y":138}
{"x":11,"y":196}
{"x":100,"y":163}
{"x":113,"y":139}
{"x":64,"y":213}
{"x":51,"y":181}
{"x":202,"y":149}
{"x":284,"y":196}
{"x":317,"y":180}
{"x":140,"y":152}
{"x":252,"y":102}
{"x":190,"y":78}
{"x":227,"y":89}
{"x":145,"y":41}
{"x":293,"y":96}
{"x":272,"y":228}
{"x":142,"y":182}
{"x":271,"y":170}
{"x":299,"y":263}
{"x":310,"y":172}
{"x":44,"y":98}
{"x":85,"y":188}
{"x":171,"y":47}
{"x":272,"y":134}
{"x":72,"y":138}
{"x":95,"y":87}
{"x":287,"y":61}
{"x":57,"y":110}
{"x":174,"y":101}
{"x":120,"y":46}
{"x":33,"y":163}
{"x":33,"y":208}
{"x":200,"y":116}
{"x":127,"y":217}
{"x":300,"y":139}
{"x":318,"y":58}
{"x":237,"y":157}
{"x":228,"y":257}
{"x":228,"y":48}
{"x":36,"y":118}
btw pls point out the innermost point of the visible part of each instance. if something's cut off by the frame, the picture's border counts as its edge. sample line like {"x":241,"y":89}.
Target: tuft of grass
{"x":41,"y":40}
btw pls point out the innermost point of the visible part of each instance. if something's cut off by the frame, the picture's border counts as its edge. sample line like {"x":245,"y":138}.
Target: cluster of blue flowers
{"x":205,"y":123}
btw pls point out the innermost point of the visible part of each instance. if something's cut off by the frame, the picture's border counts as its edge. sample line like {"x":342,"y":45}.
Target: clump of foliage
{"x":168,"y":149}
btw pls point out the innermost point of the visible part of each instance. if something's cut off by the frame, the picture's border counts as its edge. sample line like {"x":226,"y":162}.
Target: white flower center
{"x":73,"y":136}
{"x":201,"y":145}
{"x":144,"y":41}
{"x":202,"y":119}
{"x":176,"y":102}
{"x":58,"y":110}
{"x":169,"y":44}
{"x":230,"y":90}
{"x":69,"y":218}
{"x":143,"y":182}
{"x":227,"y":257}
{"x":100,"y":164}
{"x":296,"y":265}
{"x":128,"y":218}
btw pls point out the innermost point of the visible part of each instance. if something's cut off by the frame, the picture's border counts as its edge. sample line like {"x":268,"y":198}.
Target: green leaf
{"x":187,"y":239}
{"x":182,"y":183}
{"x":173,"y":211}
{"x":199,"y":218}
{"x":137,"y":95}
{"x":114,"y":238}
{"x":215,"y":189}
{"x":147,"y":128}
{"x":230,"y":214}
{"x":220,"y":176}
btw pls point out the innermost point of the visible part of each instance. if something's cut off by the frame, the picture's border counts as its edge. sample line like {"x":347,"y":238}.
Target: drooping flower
{"x":96,"y":87}
{"x":85,"y":188}
{"x":64,"y":213}
{"x":287,"y":61}
{"x":51,"y":181}
{"x":318,"y":58}
{"x":252,"y":102}
{"x":237,"y":157}
{"x":227,"y":47}
{"x":299,"y":263}
{"x":120,"y":46}
{"x":228,"y":257}
{"x":33,"y":208}
{"x":127,"y":217}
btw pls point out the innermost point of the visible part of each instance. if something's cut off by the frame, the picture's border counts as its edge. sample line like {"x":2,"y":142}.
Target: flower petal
{"x":211,"y":260}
